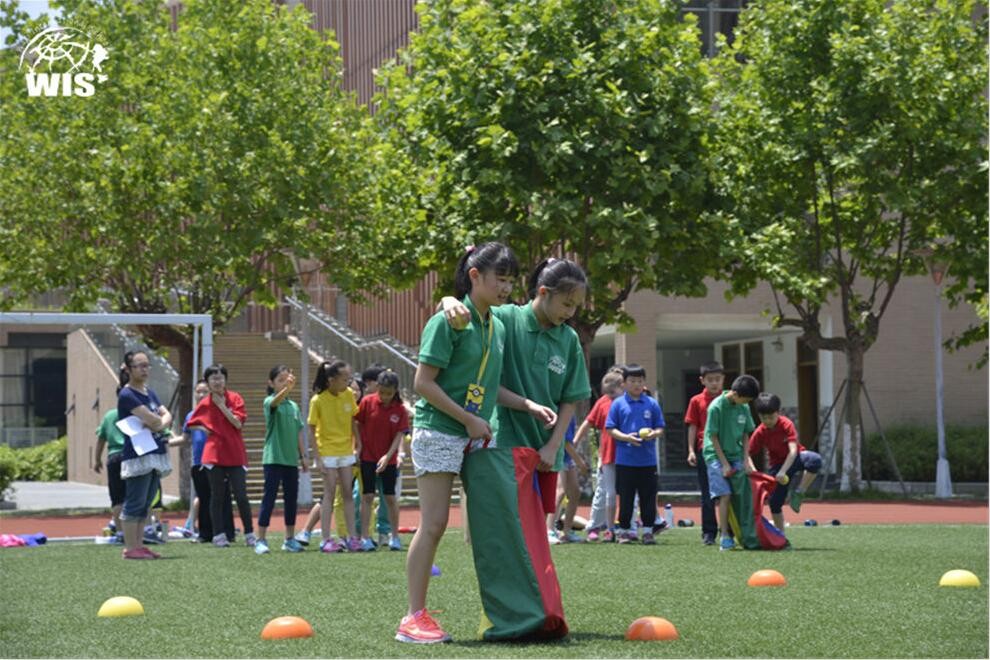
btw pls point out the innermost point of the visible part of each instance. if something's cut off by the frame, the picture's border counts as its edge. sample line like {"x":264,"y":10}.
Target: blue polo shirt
{"x":629,"y":416}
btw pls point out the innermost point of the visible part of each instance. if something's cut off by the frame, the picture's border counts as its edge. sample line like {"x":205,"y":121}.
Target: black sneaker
{"x":708,"y":538}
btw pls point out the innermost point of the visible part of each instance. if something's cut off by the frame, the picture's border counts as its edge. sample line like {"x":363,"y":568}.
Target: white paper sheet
{"x":141,"y":438}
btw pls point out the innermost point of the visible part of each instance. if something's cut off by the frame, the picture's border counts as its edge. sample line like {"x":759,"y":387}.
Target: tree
{"x":215,"y":153}
{"x":220,"y":147}
{"x":572,"y":127}
{"x":851,"y":135}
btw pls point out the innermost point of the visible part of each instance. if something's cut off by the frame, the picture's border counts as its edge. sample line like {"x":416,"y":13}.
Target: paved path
{"x":48,"y":495}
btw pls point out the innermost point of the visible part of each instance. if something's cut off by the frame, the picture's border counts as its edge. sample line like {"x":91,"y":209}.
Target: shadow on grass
{"x":572,"y":638}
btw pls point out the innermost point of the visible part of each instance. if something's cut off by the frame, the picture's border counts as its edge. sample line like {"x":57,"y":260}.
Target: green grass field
{"x":862,"y":591}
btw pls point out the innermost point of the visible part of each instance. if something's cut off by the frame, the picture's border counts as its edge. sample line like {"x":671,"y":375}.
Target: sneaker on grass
{"x":420,"y":628}
{"x":292,"y":545}
{"x":250,"y":539}
{"x":303,"y":537}
{"x":140,"y":553}
{"x":332,"y":545}
{"x":367,"y":545}
{"x":394,"y":542}
{"x":552,"y":537}
{"x":571,"y":537}
{"x":648,"y":538}
{"x":727,"y":544}
{"x":261,"y":547}
{"x":220,"y":541}
{"x":593,"y":536}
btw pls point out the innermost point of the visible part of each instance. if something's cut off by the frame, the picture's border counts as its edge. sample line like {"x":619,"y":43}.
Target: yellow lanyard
{"x":485,"y":350}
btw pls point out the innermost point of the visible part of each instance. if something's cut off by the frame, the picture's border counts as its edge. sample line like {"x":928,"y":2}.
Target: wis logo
{"x":73,"y":63}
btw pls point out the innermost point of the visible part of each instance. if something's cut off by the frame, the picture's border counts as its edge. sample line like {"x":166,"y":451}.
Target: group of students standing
{"x":219,"y":456}
{"x":722,"y":440}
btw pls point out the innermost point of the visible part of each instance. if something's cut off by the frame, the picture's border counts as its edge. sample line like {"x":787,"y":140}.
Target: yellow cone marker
{"x":120,"y":606}
{"x":959,"y":578}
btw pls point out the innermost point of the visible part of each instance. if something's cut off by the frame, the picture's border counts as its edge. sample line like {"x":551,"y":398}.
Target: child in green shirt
{"x":727,"y":429}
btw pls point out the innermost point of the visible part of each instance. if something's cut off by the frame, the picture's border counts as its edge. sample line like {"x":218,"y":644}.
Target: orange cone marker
{"x":651,"y":628}
{"x":287,"y":627}
{"x":767,"y":578}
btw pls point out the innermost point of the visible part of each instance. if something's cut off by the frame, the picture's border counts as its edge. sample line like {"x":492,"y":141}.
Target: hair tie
{"x":469,"y":249}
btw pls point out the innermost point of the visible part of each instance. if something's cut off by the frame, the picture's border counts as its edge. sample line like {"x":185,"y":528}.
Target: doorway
{"x":807,"y":385}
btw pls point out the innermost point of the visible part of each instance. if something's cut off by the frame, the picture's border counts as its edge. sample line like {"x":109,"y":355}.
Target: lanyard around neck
{"x":486,"y":347}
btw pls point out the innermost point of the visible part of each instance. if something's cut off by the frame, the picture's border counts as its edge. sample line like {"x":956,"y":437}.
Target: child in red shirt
{"x":712,"y":378}
{"x":785,"y":455}
{"x":222,"y":415}
{"x":603,"y":504}
{"x":384,"y":422}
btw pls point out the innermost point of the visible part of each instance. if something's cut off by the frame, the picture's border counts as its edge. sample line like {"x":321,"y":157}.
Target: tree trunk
{"x":852,"y":432}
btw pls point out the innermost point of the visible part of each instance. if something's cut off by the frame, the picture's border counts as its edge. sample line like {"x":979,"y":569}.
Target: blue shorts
{"x":809,"y":461}
{"x":717,"y":484}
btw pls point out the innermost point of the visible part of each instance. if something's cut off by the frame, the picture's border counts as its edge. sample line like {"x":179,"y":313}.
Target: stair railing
{"x":332,"y":340}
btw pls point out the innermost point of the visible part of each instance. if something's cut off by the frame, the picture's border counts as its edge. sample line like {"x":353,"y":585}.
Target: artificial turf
{"x":853,"y":591}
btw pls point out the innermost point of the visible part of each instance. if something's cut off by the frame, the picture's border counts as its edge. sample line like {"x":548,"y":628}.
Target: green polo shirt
{"x":545,"y":365}
{"x":458,"y":353}
{"x":733,"y":423}
{"x":109,"y":433}
{"x":282,"y":427}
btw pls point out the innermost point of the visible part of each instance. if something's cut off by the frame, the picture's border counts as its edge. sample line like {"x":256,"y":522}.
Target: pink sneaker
{"x":140,"y":553}
{"x":331,"y":545}
{"x":354,"y":544}
{"x":593,"y":536}
{"x":420,"y":628}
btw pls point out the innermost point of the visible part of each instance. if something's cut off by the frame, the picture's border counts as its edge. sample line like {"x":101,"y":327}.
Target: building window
{"x":714,"y":17}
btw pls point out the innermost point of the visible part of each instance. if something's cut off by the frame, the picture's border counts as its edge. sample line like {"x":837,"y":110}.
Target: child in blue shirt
{"x":635,"y":422}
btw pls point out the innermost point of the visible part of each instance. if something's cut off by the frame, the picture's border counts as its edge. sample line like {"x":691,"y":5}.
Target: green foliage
{"x":213,"y":152}
{"x":47,"y":462}
{"x":915,"y":449}
{"x":852,"y":137}
{"x":8,"y":471}
{"x":563,"y":126}
{"x":873,"y":590}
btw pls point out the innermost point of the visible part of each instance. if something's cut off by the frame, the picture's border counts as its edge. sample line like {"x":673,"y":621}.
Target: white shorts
{"x":331,"y":462}
{"x":436,"y":451}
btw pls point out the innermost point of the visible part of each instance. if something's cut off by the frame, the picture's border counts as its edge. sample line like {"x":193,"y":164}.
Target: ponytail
{"x":558,"y":276}
{"x":487,"y":258}
{"x":123,"y":375}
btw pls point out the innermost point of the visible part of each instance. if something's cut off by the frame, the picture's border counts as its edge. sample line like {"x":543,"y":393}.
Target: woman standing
{"x":142,"y":472}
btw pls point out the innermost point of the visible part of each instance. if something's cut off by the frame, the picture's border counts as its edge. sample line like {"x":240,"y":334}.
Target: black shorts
{"x":114,"y":483}
{"x":388,"y":476}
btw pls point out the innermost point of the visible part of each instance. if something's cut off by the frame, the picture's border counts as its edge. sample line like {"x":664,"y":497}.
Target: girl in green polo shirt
{"x":458,"y":381}
{"x":544,"y":362}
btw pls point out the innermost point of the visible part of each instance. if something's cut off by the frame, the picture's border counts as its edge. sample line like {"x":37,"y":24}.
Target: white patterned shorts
{"x":436,"y":451}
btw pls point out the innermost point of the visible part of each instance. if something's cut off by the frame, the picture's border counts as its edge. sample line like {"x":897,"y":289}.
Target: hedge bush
{"x":915,"y":449}
{"x":47,"y":462}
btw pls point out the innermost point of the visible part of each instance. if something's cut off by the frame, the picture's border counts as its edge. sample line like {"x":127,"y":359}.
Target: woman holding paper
{"x":145,"y":422}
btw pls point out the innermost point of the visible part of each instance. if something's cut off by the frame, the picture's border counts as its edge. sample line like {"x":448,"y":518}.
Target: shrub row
{"x":915,"y":449}
{"x":45,"y":462}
